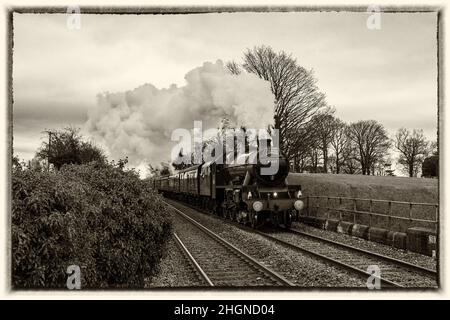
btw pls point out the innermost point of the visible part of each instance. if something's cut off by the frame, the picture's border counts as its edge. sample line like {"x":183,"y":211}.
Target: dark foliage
{"x":97,"y":216}
{"x":430,"y":166}
{"x":68,"y":147}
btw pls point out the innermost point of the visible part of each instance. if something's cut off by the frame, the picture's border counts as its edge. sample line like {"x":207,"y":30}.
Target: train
{"x":237,"y":191}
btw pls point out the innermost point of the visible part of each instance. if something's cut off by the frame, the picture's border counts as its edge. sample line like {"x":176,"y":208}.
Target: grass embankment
{"x":371,"y":187}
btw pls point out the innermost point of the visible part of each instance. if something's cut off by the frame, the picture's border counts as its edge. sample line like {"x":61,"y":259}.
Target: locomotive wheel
{"x":233,"y":214}
{"x":230,"y":214}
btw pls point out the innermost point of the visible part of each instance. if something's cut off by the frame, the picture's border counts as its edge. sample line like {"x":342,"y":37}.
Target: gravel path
{"x":391,"y":271}
{"x":299,"y":268}
{"x":411,"y":257}
{"x":175,"y":270}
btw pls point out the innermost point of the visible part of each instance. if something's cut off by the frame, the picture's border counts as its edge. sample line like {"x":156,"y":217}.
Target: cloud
{"x":388,"y":75}
{"x":139,"y":123}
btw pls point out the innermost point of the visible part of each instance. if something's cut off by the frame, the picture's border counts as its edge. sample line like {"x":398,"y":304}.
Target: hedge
{"x":97,"y":216}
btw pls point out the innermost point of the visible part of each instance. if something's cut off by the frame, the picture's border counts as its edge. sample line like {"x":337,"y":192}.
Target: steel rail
{"x":394,"y":261}
{"x":360,"y":272}
{"x":274,"y":275}
{"x":336,"y":262}
{"x":192,"y":260}
{"x":367,"y":252}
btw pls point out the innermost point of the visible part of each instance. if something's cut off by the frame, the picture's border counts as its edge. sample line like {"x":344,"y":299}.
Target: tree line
{"x":314,"y":139}
{"x":363,"y":147}
{"x":311,"y":136}
{"x":65,"y":146}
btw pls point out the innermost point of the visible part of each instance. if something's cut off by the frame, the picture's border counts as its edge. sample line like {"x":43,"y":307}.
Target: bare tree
{"x":350,"y":162}
{"x":413,"y":148}
{"x":339,"y":141}
{"x":152,"y":171}
{"x":157,"y":171}
{"x":371,"y":141}
{"x":300,"y":162}
{"x":165,"y":171}
{"x":314,"y":160}
{"x":179,"y":164}
{"x":297,"y":97}
{"x":234,"y":67}
{"x":324,"y":128}
{"x":433,"y":148}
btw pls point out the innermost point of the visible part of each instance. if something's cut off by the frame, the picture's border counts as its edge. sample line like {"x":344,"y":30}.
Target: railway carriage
{"x":163,"y":185}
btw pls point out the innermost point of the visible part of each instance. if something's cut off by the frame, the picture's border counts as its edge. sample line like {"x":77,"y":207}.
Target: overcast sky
{"x":388,"y":75}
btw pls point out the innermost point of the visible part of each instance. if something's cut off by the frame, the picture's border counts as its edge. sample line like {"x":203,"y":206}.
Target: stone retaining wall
{"x":416,"y":239}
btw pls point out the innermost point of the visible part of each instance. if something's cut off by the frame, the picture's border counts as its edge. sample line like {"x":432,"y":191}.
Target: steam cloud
{"x":139,"y":123}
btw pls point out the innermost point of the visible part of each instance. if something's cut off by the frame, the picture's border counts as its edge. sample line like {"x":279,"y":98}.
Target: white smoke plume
{"x":139,"y":123}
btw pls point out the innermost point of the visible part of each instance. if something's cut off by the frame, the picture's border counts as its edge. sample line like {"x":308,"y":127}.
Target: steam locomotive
{"x":239,"y":191}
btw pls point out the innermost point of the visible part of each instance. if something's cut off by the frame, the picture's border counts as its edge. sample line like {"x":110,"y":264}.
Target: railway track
{"x":394,"y":273}
{"x":405,"y":264}
{"x":218,"y":262}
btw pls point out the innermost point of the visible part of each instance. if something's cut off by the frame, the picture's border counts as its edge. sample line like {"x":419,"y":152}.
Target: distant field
{"x":374,"y":187}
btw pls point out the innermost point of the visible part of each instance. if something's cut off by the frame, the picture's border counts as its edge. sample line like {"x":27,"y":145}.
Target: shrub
{"x":430,"y":166}
{"x":69,"y":147}
{"x":97,"y":216}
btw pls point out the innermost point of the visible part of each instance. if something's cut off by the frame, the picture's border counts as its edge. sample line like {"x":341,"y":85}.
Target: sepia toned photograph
{"x":203,"y":148}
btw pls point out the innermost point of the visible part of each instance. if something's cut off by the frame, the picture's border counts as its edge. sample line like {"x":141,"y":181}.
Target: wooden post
{"x":307,"y":205}
{"x":389,"y":213}
{"x":370,"y":212}
{"x":436,"y":215}
{"x":410,"y":213}
{"x":328,"y":208}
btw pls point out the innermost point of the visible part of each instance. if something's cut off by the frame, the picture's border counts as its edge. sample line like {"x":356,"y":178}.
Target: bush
{"x":68,"y":146}
{"x":97,"y":216}
{"x":430,"y":166}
